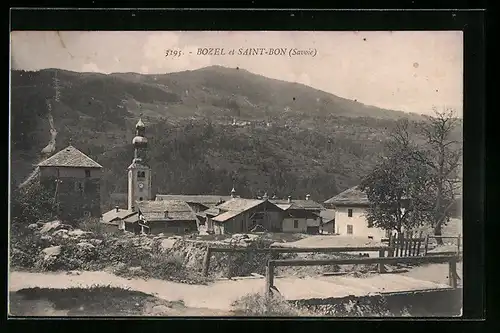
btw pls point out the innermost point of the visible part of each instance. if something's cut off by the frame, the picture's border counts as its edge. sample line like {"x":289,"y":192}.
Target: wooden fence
{"x":406,"y":245}
{"x":451,"y":259}
{"x":275,"y":250}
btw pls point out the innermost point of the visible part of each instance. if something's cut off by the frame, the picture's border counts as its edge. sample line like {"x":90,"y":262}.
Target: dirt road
{"x":220,"y":295}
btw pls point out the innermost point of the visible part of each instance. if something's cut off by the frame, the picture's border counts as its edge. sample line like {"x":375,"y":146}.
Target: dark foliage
{"x":300,"y":140}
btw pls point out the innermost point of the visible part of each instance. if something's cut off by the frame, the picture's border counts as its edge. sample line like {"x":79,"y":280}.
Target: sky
{"x":411,"y":71}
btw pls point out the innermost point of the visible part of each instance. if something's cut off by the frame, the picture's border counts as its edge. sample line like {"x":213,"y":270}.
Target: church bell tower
{"x":139,"y":174}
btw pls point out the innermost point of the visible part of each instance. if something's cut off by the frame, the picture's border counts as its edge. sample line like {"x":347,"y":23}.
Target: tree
{"x":415,"y":183}
{"x":30,"y":204}
{"x":442,"y":153}
{"x":395,"y":187}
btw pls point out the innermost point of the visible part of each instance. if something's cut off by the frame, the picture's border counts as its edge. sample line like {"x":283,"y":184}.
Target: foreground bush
{"x":263,"y":306}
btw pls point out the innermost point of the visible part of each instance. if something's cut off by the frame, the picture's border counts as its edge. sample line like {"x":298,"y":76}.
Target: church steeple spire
{"x":139,"y":141}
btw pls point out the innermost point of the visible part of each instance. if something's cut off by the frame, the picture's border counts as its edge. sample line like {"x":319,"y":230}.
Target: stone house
{"x":75,"y":179}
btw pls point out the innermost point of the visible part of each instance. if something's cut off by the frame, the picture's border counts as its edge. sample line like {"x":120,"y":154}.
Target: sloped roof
{"x":70,"y":157}
{"x":298,"y":204}
{"x":176,"y":210}
{"x":111,"y":215}
{"x":132,"y":218}
{"x":352,"y":196}
{"x":327,"y":215}
{"x":239,"y":204}
{"x":226,"y":216}
{"x":214,"y":211}
{"x":210,"y":200}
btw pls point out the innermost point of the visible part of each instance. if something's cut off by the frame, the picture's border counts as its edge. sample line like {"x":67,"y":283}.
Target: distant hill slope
{"x":300,"y":140}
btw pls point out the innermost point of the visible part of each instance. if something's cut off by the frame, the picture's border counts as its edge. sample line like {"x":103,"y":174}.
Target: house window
{"x":349,"y":212}
{"x":141,"y":174}
{"x":295,"y":224}
{"x":87,"y":173}
{"x":86,"y":213}
{"x":349,"y":229}
{"x":79,"y":187}
{"x":140,"y":199}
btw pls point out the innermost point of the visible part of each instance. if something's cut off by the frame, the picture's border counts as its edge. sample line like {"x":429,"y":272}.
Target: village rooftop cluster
{"x":75,"y":179}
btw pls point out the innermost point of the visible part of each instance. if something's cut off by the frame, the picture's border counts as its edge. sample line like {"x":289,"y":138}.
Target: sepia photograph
{"x":235,"y":174}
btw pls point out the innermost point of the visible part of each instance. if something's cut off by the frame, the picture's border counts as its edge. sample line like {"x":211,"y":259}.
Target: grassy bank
{"x":94,"y":301}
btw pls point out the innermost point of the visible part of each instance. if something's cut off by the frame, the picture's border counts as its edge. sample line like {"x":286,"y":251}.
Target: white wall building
{"x":350,"y":220}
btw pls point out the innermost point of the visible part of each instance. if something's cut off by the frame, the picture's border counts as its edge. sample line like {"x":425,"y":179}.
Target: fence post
{"x":396,"y":244}
{"x":401,"y":243}
{"x":419,"y":242}
{"x":426,"y":244}
{"x":408,"y":243}
{"x":269,"y":277}
{"x":230,"y":265}
{"x":381,"y":267}
{"x":452,"y":272}
{"x":206,"y":261}
{"x":390,"y":253}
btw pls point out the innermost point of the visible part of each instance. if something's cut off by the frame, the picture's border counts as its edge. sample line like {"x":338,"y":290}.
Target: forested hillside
{"x":297,"y":140}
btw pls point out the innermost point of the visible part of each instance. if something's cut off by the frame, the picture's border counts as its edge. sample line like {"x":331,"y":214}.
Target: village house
{"x":198,"y":203}
{"x":165,"y":216}
{"x":327,"y":221}
{"x":240,"y":215}
{"x":115,"y":218}
{"x":300,"y":216}
{"x":350,"y":220}
{"x":74,"y":179}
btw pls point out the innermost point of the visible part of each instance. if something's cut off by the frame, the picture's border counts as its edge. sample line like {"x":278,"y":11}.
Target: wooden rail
{"x":275,"y":250}
{"x":451,"y":259}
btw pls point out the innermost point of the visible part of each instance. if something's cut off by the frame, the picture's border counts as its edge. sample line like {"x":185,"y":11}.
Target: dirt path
{"x":437,"y":273}
{"x":220,"y":295}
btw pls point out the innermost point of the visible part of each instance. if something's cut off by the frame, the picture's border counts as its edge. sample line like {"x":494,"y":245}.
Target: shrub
{"x":25,"y":249}
{"x":262,"y":305}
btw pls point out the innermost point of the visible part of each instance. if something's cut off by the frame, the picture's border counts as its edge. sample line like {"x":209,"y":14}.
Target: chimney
{"x":117,"y":209}
{"x":265,"y":197}
{"x":233,"y":193}
{"x":166,"y":214}
{"x":308,"y":196}
{"x":289,"y":199}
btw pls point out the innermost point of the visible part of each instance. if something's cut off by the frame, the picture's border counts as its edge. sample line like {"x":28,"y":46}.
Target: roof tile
{"x":70,"y":157}
{"x":352,"y":196}
{"x":176,"y":210}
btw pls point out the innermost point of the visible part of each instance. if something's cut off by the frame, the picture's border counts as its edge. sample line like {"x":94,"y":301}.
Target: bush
{"x":25,"y":249}
{"x":262,"y":305}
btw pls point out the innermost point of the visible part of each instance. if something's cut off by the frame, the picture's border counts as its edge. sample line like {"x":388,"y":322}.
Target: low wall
{"x":433,"y":303}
